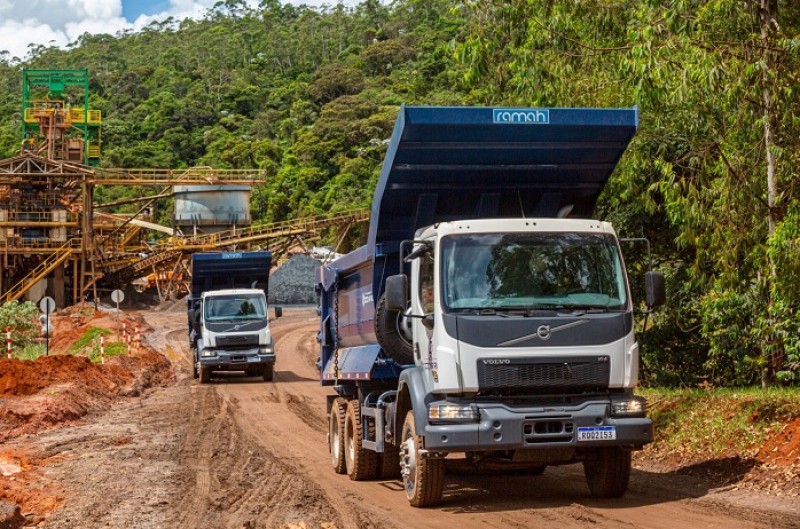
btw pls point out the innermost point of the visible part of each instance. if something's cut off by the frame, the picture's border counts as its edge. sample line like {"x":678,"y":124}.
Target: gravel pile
{"x":293,"y":283}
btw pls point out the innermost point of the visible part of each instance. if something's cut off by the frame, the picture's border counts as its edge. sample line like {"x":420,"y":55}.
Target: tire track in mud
{"x":234,"y":482}
{"x":198,"y":441}
{"x":262,"y":404}
{"x":298,"y":339}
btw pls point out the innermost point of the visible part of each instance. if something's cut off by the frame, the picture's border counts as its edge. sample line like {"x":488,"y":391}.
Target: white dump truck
{"x":487,"y":317}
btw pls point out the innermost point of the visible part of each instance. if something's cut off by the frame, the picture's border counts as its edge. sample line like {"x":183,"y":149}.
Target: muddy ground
{"x":242,"y":453}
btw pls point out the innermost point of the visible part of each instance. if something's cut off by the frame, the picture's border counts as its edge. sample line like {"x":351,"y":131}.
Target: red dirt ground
{"x":62,"y":389}
{"x":784,"y":448}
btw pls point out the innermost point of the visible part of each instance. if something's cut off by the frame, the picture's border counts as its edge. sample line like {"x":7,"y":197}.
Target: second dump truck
{"x":228,"y":316}
{"x":487,"y":317}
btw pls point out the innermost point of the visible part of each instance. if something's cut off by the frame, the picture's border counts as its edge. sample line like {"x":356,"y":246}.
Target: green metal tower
{"x":57,"y":121}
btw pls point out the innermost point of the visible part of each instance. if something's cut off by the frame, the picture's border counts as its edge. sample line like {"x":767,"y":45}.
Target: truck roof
{"x":456,"y":163}
{"x":233,"y":291}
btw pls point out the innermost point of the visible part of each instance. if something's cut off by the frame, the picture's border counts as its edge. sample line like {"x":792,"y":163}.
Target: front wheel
{"x":205,"y":375}
{"x":423,"y":478}
{"x":268,"y":372}
{"x":609,"y":472}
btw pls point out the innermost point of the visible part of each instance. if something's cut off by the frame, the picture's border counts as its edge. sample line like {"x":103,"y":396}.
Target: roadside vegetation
{"x":22,"y":318}
{"x":309,"y":95}
{"x":88,"y":344}
{"x":715,"y":423}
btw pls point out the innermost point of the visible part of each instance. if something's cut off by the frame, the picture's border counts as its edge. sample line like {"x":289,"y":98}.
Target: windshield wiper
{"x":503,"y":312}
{"x":481,"y":311}
{"x":583,"y":309}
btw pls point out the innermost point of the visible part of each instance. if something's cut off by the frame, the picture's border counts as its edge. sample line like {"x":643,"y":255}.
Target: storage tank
{"x":211,"y":208}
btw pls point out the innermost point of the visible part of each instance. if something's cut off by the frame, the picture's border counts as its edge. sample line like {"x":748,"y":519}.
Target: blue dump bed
{"x":223,"y":270}
{"x":458,"y":163}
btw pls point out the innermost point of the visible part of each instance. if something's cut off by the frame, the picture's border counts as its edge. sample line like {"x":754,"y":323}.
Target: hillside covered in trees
{"x":311,"y":96}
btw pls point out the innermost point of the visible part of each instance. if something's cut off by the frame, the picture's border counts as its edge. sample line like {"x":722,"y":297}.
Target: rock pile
{"x":293,"y":283}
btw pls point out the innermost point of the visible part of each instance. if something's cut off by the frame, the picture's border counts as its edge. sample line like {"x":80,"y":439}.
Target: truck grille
{"x":547,"y":373}
{"x":242,"y":340}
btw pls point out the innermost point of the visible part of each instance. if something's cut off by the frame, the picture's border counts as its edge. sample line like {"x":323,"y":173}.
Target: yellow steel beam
{"x":191,"y":176}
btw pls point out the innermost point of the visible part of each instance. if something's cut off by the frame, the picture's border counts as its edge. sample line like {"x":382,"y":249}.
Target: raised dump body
{"x":455,"y":163}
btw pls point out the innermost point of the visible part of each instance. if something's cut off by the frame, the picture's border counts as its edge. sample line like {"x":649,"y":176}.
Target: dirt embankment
{"x":59,"y":390}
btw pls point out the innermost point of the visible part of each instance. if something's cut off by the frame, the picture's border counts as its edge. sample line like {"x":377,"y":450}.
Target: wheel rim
{"x":336,"y":441}
{"x":408,"y":464}
{"x":351,"y":445}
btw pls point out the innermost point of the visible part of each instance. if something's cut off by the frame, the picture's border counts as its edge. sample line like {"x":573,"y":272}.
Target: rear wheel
{"x":423,"y":478}
{"x":336,"y":434}
{"x":195,"y":373}
{"x":609,"y":472}
{"x":268,"y":372}
{"x":389,"y":462}
{"x":205,"y":375}
{"x":387,"y":330}
{"x":361,"y":463}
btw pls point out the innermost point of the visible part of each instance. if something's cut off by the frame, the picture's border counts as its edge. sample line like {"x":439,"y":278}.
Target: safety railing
{"x":42,"y":269}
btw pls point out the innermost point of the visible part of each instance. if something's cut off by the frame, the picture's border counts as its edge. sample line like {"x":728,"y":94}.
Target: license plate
{"x":597,"y":433}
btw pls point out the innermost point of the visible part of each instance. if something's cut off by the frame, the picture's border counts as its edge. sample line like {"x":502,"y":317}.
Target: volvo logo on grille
{"x":496,"y":361}
{"x":543,"y":332}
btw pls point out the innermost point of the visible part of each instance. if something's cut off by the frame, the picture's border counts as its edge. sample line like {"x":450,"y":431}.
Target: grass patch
{"x":88,"y":338}
{"x":111,"y":349}
{"x":30,"y":352}
{"x":718,"y":422}
{"x":89,"y":344}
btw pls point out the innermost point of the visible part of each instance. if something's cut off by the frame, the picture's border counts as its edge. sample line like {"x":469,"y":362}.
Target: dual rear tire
{"x":361,"y":463}
{"x":345,"y":435}
{"x":423,"y":477}
{"x":336,"y":434}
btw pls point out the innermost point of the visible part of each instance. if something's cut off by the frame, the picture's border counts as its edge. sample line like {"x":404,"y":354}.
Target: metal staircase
{"x":42,"y":269}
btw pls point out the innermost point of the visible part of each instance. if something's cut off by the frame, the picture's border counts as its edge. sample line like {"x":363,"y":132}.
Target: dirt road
{"x":241,"y":453}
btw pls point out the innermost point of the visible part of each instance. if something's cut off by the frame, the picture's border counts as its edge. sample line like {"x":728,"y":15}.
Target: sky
{"x":59,"y":22}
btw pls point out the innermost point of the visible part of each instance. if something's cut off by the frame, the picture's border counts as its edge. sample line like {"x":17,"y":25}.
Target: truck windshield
{"x":234,"y":307}
{"x":532,"y":271}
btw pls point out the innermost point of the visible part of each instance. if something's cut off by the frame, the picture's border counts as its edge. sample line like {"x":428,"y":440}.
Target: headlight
{"x":207,"y":352}
{"x":266,"y":351}
{"x":631,"y":406}
{"x":448,"y":412}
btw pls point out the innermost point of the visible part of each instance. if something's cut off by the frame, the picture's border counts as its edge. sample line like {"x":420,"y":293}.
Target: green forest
{"x":310,"y":96}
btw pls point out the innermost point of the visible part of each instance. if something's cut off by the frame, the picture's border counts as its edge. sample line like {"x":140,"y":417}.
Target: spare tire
{"x":387,"y":329}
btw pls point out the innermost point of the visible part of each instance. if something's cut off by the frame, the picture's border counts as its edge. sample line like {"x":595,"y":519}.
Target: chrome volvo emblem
{"x":543,"y":332}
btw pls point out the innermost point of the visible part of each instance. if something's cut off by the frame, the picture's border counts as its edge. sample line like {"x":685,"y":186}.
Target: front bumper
{"x":505,"y":428}
{"x":236,"y":360}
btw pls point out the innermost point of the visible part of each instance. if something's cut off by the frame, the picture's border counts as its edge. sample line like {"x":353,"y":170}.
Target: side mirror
{"x":655,"y":293}
{"x":396,"y":292}
{"x":278,"y":311}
